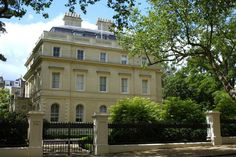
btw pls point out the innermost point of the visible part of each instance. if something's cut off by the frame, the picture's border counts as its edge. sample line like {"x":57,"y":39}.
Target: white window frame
{"x":99,"y":80}
{"x":83,"y":82}
{"x":59,"y":51}
{"x":124,"y":58}
{"x":52,"y":80}
{"x":54,"y":115}
{"x":147,"y":88}
{"x":78,"y":115}
{"x":77,"y":54}
{"x":100,"y":57}
{"x":121,"y":85}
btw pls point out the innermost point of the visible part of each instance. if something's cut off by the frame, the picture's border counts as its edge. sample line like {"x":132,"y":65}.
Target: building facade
{"x":74,"y":72}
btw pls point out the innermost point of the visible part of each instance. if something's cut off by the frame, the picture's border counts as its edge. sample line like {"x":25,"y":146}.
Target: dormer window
{"x":56,"y":52}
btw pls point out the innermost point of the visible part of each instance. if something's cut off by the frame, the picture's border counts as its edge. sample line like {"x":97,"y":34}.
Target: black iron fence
{"x":156,"y":133}
{"x":67,"y":138}
{"x":228,"y":127}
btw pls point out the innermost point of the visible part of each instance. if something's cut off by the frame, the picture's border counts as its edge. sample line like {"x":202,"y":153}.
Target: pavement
{"x":197,"y":151}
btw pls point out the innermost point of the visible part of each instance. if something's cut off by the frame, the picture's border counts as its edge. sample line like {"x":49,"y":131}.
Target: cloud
{"x":17,"y":44}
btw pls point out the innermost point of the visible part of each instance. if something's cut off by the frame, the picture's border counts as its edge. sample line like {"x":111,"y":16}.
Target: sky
{"x":22,"y":34}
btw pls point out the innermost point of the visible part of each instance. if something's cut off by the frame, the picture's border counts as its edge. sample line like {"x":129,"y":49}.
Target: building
{"x":74,"y":72}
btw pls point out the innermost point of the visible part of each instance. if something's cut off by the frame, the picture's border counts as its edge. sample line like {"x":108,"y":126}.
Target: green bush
{"x":13,"y":130}
{"x":135,"y":110}
{"x":181,"y":111}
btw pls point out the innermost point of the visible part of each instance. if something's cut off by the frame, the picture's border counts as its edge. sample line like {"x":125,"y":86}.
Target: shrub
{"x":181,"y":111}
{"x":134,"y":110}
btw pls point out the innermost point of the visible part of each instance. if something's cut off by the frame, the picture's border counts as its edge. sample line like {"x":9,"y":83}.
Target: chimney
{"x":104,"y":24}
{"x":72,"y":19}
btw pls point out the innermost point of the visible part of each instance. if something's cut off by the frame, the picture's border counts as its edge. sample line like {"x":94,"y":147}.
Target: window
{"x":145,"y":86}
{"x":80,"y":54}
{"x":54,"y":113}
{"x":56,"y":51}
{"x":103,"y":109}
{"x":80,"y":82}
{"x":144,"y":61}
{"x":124,"y":85}
{"x":124,"y":59}
{"x":103,"y":84}
{"x":56,"y":80}
{"x":79,"y":113}
{"x":103,"y":57}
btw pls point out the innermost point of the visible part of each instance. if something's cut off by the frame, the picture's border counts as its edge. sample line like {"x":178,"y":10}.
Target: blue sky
{"x":22,"y":34}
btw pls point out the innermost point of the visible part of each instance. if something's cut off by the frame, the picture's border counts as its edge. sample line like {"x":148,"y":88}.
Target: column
{"x":100,"y":134}
{"x":35,"y":133}
{"x":214,"y":133}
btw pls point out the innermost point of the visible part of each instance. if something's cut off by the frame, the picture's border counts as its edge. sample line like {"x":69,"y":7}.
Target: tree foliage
{"x":186,"y":111}
{"x":192,"y":82}
{"x":4,"y":100}
{"x":174,"y":31}
{"x":134,"y":110}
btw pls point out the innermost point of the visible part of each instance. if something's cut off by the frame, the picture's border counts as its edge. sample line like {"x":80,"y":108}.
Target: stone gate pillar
{"x":35,"y":133}
{"x":214,"y":133}
{"x":100,"y":122}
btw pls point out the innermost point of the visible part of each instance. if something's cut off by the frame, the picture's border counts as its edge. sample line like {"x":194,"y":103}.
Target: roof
{"x":84,"y":32}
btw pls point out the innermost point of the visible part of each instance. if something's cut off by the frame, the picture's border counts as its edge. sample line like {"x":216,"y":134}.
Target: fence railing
{"x":156,"y":133}
{"x":67,"y":137}
{"x":228,"y":127}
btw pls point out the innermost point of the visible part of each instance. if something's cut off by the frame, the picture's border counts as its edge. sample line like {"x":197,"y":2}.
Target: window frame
{"x":53,"y":51}
{"x":77,"y":54}
{"x":54,"y":116}
{"x":147,"y":87}
{"x":106,"y":84}
{"x":122,"y":87}
{"x":78,"y":116}
{"x":125,"y":59}
{"x":101,"y":108}
{"x":77,"y":82}
{"x":103,"y":59}
{"x":52,"y":80}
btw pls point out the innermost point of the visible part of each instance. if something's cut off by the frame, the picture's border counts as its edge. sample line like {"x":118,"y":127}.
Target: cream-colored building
{"x":74,"y":72}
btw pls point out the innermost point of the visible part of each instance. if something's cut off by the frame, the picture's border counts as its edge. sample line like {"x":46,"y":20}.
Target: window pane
{"x":54,"y":113}
{"x":124,"y":85}
{"x":124,"y":59}
{"x":80,"y":54}
{"x":103,"y":109}
{"x":55,"y":80}
{"x":144,"y":60}
{"x":79,"y":113}
{"x":80,"y":82}
{"x":56,"y":51}
{"x":103,"y":57}
{"x":103,"y":84}
{"x":144,"y":86}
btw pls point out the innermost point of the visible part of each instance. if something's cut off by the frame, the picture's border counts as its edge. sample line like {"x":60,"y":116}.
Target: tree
{"x":174,"y":31}
{"x":18,"y":8}
{"x":4,"y":101}
{"x":192,"y":82}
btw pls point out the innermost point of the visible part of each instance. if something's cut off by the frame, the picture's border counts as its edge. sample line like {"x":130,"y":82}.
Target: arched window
{"x":54,"y":113}
{"x":103,"y":109}
{"x":79,"y":113}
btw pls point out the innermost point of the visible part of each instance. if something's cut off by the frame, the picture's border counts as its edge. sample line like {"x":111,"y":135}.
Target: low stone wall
{"x":139,"y":147}
{"x":14,"y":152}
{"x":229,"y":140}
